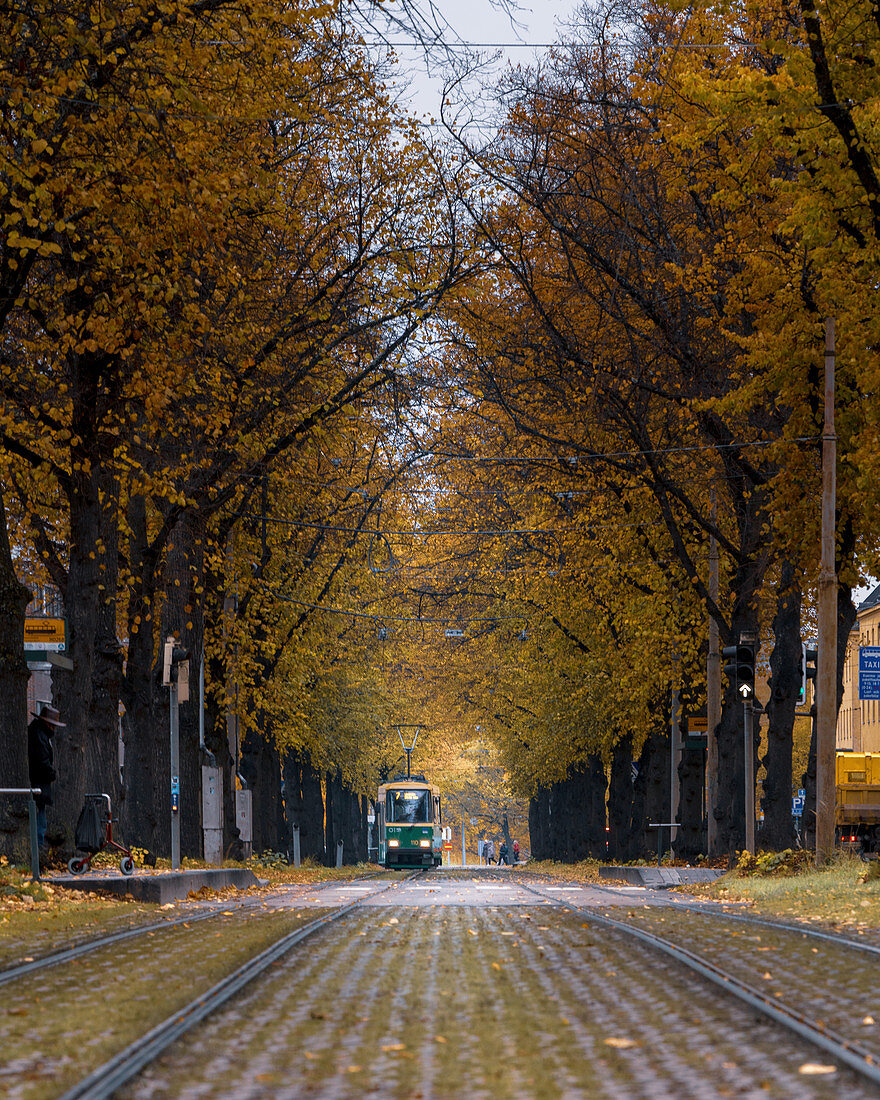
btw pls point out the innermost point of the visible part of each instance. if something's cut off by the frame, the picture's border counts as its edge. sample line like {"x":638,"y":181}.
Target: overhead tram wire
{"x":394,"y":618}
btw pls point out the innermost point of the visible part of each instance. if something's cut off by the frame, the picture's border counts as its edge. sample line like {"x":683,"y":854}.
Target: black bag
{"x":89,"y":834}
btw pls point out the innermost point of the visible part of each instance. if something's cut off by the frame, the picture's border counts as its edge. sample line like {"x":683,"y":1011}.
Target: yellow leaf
{"x":620,"y":1044}
{"x":816,"y":1069}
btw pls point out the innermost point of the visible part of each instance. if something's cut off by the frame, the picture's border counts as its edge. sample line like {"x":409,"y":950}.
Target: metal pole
{"x":463,"y":857}
{"x":749,"y":749}
{"x":826,"y":671}
{"x":674,"y":755}
{"x":338,"y":853}
{"x":713,"y":700}
{"x":175,"y":778}
{"x":297,"y":857}
{"x":35,"y":850}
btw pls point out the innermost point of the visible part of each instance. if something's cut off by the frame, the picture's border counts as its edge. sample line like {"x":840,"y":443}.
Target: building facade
{"x":858,"y":721}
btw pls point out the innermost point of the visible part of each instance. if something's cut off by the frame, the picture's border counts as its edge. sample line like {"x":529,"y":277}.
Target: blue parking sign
{"x":869,"y":672}
{"x":797,"y":806}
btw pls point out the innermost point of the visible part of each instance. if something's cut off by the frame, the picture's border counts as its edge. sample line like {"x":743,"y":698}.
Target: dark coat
{"x":40,"y":760}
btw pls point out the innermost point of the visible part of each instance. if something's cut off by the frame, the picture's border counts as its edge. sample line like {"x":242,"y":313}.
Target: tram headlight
{"x":393,"y":843}
{"x":424,"y":844}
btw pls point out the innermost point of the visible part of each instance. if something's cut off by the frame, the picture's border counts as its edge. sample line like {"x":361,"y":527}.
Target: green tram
{"x":408,"y":816}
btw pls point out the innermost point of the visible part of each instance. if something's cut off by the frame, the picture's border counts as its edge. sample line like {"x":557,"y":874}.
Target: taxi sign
{"x":48,"y":635}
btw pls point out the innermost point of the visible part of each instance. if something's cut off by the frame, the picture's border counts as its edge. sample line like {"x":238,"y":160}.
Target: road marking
{"x":351,"y":888}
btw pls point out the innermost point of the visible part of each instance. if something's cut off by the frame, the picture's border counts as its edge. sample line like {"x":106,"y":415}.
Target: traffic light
{"x":173,"y":656}
{"x":809,"y":657}
{"x":740,"y":668}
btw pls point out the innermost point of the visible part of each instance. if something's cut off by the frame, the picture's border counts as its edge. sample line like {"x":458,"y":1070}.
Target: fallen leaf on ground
{"x":620,"y":1044}
{"x":815,"y":1069}
{"x":393,"y":1046}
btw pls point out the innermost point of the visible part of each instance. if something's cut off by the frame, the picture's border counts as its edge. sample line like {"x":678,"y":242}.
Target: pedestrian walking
{"x":41,"y":761}
{"x":489,"y":849}
{"x":516,"y":851}
{"x":502,"y":855}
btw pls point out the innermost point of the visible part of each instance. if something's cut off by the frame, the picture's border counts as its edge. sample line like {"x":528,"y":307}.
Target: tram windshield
{"x":410,"y":807}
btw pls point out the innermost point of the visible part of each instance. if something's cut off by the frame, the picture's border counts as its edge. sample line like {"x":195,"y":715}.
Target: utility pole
{"x":826,"y":677}
{"x":713,"y":698}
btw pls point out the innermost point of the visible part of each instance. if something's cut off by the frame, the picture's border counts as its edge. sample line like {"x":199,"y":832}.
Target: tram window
{"x":412,"y":807}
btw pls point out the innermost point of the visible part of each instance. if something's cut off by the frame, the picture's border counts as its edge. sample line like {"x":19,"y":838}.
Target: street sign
{"x":48,"y":635}
{"x":869,"y":672}
{"x":745,"y":690}
{"x":797,"y":806}
{"x":447,"y":847}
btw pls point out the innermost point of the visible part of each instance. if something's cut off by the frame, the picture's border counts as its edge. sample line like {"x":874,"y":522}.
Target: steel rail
{"x":10,"y":974}
{"x":106,"y":1079}
{"x":67,"y":954}
{"x":785,"y":926}
{"x":850,"y":1053}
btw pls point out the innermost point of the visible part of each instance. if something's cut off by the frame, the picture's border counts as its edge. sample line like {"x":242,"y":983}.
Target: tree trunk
{"x":331,"y":815}
{"x":690,"y":835}
{"x":143,"y":724}
{"x":620,"y":801}
{"x":72,"y":691}
{"x":14,"y":598}
{"x":597,"y":783}
{"x":846,"y":619}
{"x":777,"y":832}
{"x":102,"y":744}
{"x":652,"y":790}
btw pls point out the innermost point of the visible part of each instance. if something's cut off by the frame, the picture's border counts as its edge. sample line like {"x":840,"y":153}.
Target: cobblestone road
{"x":454,"y":986}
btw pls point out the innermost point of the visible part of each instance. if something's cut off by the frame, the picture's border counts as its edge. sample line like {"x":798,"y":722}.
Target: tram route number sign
{"x":869,"y":672}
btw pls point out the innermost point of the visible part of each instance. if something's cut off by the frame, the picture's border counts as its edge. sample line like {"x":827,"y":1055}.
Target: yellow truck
{"x":857,"y":810}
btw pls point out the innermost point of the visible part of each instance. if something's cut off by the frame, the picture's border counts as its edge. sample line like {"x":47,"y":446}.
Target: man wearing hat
{"x":40,"y":763}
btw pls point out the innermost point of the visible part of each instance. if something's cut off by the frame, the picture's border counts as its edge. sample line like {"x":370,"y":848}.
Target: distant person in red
{"x":41,"y":760}
{"x":516,"y":851}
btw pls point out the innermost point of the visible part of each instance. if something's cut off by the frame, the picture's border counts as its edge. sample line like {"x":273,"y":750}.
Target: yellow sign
{"x":697,"y":724}
{"x":45,"y":634}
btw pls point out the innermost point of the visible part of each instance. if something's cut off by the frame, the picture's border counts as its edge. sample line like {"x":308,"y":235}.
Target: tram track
{"x":103,"y":1082}
{"x":78,"y":951}
{"x":762,"y":922}
{"x":852,"y":1053}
